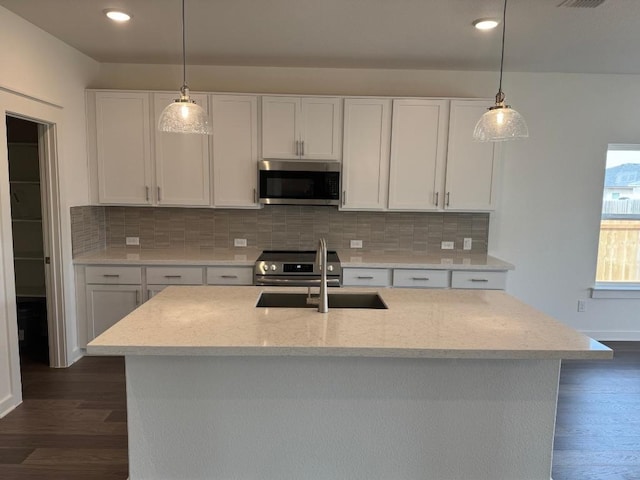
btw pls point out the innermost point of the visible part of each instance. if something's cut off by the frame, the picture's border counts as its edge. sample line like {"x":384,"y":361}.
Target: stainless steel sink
{"x":336,"y":300}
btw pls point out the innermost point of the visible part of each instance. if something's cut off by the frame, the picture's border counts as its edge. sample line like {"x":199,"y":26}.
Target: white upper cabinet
{"x":235,"y":150}
{"x":301,"y":128}
{"x":181,"y":160}
{"x":471,"y":165}
{"x":418,"y":154}
{"x":122,"y":148}
{"x":365,"y":163}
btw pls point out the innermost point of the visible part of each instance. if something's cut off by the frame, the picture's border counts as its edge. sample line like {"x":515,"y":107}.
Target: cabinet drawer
{"x":420,"y":278}
{"x":366,"y":277}
{"x":174,"y":275}
{"x":480,"y":280}
{"x":230,"y":275}
{"x":113,"y":275}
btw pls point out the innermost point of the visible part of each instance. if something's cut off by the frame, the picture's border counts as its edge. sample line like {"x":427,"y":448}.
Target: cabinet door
{"x":280,"y":127}
{"x":321,"y":130}
{"x":108,"y":304}
{"x":235,"y":150}
{"x":182,"y":161}
{"x":230,"y":275}
{"x":366,"y":277}
{"x":471,"y":165}
{"x":365,"y":160}
{"x":418,"y":143}
{"x":123,"y":147}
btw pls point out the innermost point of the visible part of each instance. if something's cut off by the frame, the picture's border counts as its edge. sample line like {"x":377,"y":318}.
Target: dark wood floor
{"x":72,"y":424}
{"x":598,"y":421}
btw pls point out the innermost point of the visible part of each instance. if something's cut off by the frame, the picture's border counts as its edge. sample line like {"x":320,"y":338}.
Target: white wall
{"x":43,"y":79}
{"x":547,"y":221}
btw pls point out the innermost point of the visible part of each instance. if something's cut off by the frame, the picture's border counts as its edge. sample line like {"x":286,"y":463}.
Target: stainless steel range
{"x":296,"y":268}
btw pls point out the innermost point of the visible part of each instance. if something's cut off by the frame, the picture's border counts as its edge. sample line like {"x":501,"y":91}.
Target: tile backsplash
{"x":273,"y":227}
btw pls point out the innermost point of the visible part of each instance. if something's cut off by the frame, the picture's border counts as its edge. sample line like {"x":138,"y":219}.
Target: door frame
{"x":49,"y":116}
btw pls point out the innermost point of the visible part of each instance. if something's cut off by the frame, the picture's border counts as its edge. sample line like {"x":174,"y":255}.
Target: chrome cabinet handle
{"x":365,"y":277}
{"x":437,"y":195}
{"x":159,"y":197}
{"x":479,"y":280}
{"x":255,"y":196}
{"x":111,"y":275}
{"x":448,"y":193}
{"x":173,"y":276}
{"x":297,"y":147}
{"x":137,"y":297}
{"x":229,"y":276}
{"x":146,"y":189}
{"x":302,"y":148}
{"x":344,"y":197}
{"x":423,"y":279}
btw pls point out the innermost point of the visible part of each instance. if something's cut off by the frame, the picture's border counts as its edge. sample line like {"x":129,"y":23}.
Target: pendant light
{"x":501,"y":122}
{"x":183,"y":115}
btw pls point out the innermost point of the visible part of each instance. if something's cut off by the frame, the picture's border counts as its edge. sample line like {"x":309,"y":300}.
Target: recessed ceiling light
{"x":485,"y":23}
{"x":117,"y":15}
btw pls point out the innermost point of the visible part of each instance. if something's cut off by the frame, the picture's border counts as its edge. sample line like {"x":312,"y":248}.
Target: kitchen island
{"x":444,"y":384}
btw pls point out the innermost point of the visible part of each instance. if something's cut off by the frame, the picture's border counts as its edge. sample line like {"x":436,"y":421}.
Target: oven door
{"x":294,"y":281}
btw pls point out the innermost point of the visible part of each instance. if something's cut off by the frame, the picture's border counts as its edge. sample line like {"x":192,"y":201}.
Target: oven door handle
{"x":290,"y":282}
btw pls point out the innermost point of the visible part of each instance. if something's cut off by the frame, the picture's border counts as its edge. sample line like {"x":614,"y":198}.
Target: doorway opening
{"x":28,"y":203}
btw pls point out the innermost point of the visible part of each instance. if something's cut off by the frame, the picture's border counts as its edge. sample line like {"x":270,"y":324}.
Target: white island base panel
{"x":335,"y":418}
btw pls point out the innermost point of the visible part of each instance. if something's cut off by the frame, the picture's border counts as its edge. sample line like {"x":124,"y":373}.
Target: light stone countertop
{"x":170,"y":256}
{"x":248,"y":256}
{"x":223,"y":321}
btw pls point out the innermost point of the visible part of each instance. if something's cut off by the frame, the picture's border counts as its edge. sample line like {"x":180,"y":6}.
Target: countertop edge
{"x":351,"y":352}
{"x":248,"y":259}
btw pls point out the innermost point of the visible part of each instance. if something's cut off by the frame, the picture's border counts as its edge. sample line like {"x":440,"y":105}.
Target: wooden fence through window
{"x":619,"y":251}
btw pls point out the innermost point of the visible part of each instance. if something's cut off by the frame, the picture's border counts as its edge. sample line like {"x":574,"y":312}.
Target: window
{"x":619,"y":246}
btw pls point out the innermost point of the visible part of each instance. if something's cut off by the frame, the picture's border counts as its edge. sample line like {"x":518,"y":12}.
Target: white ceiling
{"x":423,"y":34}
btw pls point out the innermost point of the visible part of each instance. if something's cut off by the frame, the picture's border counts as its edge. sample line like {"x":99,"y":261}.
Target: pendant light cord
{"x":184,"y":50}
{"x":504,"y":28}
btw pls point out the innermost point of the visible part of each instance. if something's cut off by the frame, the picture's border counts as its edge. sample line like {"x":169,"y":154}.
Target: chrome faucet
{"x":321,"y":261}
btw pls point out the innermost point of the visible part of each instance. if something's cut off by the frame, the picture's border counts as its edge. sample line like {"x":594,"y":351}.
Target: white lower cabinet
{"x":366,"y":277}
{"x":423,"y":278}
{"x":414,"y":278}
{"x":108,"y":304}
{"x":111,"y":293}
{"x":230,"y":275}
{"x":159,"y":278}
{"x":481,"y":280}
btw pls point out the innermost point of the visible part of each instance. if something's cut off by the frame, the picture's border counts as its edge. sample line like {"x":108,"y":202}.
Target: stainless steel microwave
{"x":289,"y":182}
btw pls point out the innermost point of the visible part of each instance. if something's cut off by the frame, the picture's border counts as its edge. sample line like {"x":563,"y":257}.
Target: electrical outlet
{"x":467,"y":244}
{"x":239,"y":242}
{"x":132,"y":241}
{"x":582,"y":306}
{"x":447,"y":246}
{"x":356,"y":243}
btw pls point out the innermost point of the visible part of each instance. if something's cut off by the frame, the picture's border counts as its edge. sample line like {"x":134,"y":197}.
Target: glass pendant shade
{"x":184,"y":116}
{"x":500,"y":123}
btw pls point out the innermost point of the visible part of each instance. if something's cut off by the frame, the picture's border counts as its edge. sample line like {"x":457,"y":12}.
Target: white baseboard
{"x":76,"y":355}
{"x":7,"y":405}
{"x":628,"y":336}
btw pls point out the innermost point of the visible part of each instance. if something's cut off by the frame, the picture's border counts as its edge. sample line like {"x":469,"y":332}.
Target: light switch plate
{"x":356,"y":243}
{"x":239,"y":242}
{"x":132,"y":240}
{"x":447,"y":246}
{"x":467,"y":244}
